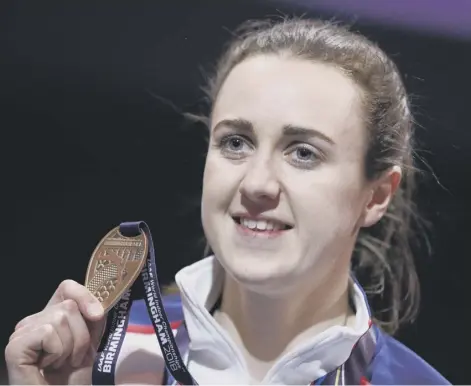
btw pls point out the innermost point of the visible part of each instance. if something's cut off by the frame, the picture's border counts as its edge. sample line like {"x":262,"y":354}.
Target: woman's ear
{"x":382,"y":192}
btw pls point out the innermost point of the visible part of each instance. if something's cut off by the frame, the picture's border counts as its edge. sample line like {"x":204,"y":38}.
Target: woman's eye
{"x":234,"y":146}
{"x":304,"y":156}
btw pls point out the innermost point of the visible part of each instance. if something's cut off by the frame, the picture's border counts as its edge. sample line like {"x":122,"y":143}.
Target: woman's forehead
{"x":273,"y":92}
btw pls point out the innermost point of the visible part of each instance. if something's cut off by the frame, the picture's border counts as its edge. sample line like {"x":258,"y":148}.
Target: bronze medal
{"x":115,"y":265}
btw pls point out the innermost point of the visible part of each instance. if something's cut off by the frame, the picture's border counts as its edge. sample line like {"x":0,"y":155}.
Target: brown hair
{"x":383,"y":257}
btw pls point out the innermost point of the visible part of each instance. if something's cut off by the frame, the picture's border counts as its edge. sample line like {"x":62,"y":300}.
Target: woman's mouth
{"x":261,"y":226}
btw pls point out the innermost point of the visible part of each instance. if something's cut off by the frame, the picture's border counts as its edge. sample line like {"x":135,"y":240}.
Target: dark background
{"x":92,"y":134}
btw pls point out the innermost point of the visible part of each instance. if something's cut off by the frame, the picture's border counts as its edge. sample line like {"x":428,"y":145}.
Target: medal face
{"x":114,"y":266}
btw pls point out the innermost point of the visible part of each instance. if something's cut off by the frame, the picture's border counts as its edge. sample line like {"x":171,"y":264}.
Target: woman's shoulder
{"x":395,"y":363}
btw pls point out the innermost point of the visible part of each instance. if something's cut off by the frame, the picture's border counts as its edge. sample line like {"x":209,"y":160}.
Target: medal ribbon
{"x":147,"y":287}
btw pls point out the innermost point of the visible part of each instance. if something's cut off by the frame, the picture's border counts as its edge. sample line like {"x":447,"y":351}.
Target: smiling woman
{"x":307,"y":187}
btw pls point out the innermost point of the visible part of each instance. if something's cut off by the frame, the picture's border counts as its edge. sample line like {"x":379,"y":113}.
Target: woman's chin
{"x":266,"y":282}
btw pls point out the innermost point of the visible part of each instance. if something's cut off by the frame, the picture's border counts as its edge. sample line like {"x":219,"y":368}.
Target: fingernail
{"x":95,"y":309}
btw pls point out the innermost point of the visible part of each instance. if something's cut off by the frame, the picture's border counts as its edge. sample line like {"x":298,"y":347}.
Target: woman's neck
{"x":267,"y":327}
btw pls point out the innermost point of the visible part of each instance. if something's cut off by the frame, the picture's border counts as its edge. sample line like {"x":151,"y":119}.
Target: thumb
{"x":88,"y":304}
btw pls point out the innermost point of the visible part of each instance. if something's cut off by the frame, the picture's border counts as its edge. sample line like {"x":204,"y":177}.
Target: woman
{"x":308,"y":186}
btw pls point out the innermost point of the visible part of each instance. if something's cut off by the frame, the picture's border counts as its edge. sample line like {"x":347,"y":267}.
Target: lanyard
{"x":147,"y":287}
{"x":353,"y":371}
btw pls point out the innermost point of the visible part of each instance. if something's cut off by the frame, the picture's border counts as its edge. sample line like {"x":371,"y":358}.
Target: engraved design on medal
{"x":115,"y":264}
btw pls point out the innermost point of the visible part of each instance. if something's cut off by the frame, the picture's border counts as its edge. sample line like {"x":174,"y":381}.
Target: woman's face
{"x":284,"y":191}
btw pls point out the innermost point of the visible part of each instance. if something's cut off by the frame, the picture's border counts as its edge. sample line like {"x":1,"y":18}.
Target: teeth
{"x":261,"y":224}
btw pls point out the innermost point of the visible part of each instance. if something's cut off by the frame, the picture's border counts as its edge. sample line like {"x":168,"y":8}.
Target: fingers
{"x":69,"y":325}
{"x":63,"y":336}
{"x":80,"y":333}
{"x":43,"y":338}
{"x":88,"y":305}
{"x":56,"y":345}
{"x":24,"y":352}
